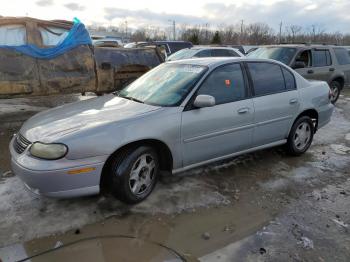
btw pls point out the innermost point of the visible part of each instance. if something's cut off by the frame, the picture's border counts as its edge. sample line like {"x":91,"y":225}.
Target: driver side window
{"x":305,"y":57}
{"x":226,"y":84}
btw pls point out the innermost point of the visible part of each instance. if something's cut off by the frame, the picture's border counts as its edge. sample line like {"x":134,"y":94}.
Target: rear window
{"x":203,"y":53}
{"x":13,"y":35}
{"x":223,"y":53}
{"x":342,"y":56}
{"x":182,"y":54}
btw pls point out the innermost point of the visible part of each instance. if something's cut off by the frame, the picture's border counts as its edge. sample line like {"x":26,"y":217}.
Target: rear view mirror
{"x":299,"y":64}
{"x":204,"y":101}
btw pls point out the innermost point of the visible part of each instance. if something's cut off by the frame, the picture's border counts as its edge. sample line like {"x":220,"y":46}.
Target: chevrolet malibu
{"x":178,"y":116}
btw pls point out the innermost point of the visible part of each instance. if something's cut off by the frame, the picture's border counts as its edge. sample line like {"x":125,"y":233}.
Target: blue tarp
{"x":78,"y":35}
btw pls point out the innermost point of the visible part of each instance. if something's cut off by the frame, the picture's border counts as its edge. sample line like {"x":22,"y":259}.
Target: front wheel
{"x":134,"y":174}
{"x":336,"y":88}
{"x":300,"y":136}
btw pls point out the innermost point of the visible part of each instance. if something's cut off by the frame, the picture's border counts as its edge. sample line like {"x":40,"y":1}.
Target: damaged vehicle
{"x":41,"y":57}
{"x":178,"y":116}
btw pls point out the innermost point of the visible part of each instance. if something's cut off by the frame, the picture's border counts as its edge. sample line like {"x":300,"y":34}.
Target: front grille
{"x":20,"y":143}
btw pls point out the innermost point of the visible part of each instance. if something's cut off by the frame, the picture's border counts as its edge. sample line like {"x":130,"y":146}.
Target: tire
{"x":134,"y":174}
{"x":300,"y":136}
{"x":336,"y":88}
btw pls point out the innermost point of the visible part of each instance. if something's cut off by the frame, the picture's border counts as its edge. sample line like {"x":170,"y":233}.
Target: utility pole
{"x":280,"y":36}
{"x":174,"y":28}
{"x":126,"y":28}
{"x":206,"y":32}
{"x":242,"y":21}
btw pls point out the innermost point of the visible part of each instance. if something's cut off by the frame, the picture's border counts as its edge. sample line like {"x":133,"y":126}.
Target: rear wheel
{"x":300,"y":136}
{"x":336,"y":88}
{"x":134,"y":174}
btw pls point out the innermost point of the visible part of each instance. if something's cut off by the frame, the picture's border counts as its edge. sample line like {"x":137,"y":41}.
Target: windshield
{"x":182,"y":54}
{"x":165,"y":85}
{"x":282,"y":54}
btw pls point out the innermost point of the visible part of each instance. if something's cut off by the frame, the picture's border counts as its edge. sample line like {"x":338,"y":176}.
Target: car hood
{"x":51,"y":125}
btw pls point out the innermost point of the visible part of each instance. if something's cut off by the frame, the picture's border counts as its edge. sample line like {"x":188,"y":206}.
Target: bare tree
{"x":293,"y":31}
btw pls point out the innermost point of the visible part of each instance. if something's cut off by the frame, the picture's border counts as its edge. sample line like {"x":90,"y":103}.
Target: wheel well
{"x":163,"y":151}
{"x":340,"y":80}
{"x":312,"y":113}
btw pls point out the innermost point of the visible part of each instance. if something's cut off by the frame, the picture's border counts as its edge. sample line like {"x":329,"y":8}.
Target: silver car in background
{"x":178,"y":116}
{"x":205,"y":51}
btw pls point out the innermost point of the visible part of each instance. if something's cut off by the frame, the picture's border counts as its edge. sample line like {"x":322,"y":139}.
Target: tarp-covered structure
{"x":77,"y":35}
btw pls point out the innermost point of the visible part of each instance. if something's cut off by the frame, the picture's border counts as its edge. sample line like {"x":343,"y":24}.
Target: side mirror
{"x":299,"y":64}
{"x":204,"y":101}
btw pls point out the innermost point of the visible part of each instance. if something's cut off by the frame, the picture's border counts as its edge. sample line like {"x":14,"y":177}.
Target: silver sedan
{"x":178,"y":116}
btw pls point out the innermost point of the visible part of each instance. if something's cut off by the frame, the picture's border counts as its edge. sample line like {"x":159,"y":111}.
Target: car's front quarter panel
{"x":79,"y":171}
{"x":162,"y":125}
{"x":56,"y":178}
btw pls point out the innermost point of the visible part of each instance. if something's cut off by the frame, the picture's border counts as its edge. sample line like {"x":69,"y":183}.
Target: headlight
{"x":48,"y":151}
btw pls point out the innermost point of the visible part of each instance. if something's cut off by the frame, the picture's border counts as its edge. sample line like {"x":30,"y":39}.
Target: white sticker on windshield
{"x":192,"y":69}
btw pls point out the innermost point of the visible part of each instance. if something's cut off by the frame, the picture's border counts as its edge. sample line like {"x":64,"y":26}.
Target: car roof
{"x":301,"y":46}
{"x":212,"y":47}
{"x":216,"y":61}
{"x":170,"y":41}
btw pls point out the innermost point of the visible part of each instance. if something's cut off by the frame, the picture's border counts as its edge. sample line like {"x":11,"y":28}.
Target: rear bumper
{"x":324,"y":115}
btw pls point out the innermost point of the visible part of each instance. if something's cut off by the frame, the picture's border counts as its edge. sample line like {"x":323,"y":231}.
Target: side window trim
{"x":285,"y":81}
{"x":272,"y":93}
{"x":189,"y":105}
{"x":330,"y":57}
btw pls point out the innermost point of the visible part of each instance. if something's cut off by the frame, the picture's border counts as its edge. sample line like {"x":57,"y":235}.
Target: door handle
{"x":106,"y":66}
{"x":243,"y":110}
{"x":310,"y":71}
{"x":331,"y":69}
{"x":293,"y":101}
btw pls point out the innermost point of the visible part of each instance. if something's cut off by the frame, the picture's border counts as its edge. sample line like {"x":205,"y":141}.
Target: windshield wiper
{"x":133,"y":99}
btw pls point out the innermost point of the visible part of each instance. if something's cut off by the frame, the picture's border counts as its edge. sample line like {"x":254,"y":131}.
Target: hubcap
{"x":335,"y":92}
{"x":142,"y":174}
{"x":302,"y":136}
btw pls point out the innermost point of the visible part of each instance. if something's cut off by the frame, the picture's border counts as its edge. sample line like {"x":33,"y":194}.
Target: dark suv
{"x":319,"y":62}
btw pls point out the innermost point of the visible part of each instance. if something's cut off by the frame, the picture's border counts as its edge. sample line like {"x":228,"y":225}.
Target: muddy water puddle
{"x":189,"y":234}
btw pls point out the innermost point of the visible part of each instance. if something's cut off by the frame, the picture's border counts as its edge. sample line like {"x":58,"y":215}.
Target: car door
{"x":227,"y":127}
{"x":321,"y":65}
{"x":73,"y":71}
{"x":276,"y":101}
{"x":18,"y":72}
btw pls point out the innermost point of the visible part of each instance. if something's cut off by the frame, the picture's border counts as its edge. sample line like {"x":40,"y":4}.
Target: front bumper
{"x":56,"y":178}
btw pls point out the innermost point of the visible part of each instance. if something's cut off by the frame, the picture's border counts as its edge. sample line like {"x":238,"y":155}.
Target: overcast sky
{"x":332,"y":15}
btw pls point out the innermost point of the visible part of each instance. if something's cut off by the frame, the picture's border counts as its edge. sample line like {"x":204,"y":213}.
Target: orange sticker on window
{"x":227,"y":82}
